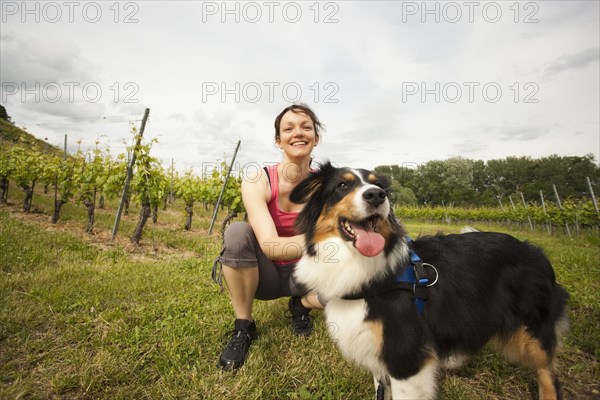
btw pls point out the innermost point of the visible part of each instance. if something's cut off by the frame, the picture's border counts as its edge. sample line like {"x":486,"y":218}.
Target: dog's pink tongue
{"x":368,"y":243}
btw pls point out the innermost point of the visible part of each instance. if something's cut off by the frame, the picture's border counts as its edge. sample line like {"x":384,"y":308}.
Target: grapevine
{"x":574,"y":212}
{"x":190,"y":189}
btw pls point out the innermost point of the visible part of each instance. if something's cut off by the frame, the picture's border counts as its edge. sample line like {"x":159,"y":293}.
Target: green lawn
{"x":84,"y":317}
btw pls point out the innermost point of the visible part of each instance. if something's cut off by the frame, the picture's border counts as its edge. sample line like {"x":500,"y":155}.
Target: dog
{"x":466,"y":289}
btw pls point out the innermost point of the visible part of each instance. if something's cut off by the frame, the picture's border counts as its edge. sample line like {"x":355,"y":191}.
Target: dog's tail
{"x":468,"y":229}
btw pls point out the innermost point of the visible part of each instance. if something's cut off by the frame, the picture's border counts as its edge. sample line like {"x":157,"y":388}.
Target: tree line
{"x":464,"y":182}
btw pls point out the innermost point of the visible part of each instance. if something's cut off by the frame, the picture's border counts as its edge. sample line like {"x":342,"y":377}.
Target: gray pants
{"x":241,"y":250}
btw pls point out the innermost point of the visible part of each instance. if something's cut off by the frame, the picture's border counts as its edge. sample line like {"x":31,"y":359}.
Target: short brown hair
{"x":303,"y":109}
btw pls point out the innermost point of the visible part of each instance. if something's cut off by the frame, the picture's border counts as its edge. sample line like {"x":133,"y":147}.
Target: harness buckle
{"x":437,"y":275}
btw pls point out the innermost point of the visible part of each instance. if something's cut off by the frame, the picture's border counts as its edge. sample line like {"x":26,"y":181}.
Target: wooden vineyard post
{"x":593,"y":195}
{"x":129,"y":173}
{"x":445,"y":213}
{"x":214,"y":217}
{"x":56,"y":206}
{"x":594,"y":201}
{"x":526,"y":211}
{"x":561,"y":207}
{"x":171,"y":184}
{"x":512,"y":204}
{"x":545,"y":213}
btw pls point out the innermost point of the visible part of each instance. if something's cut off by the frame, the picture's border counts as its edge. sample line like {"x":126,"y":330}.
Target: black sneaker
{"x":234,"y":354}
{"x":301,"y":319}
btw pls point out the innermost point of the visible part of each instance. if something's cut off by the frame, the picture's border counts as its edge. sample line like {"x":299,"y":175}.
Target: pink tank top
{"x":284,"y":220}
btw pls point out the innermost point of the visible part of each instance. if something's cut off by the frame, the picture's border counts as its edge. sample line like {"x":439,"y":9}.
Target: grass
{"x":82,"y":317}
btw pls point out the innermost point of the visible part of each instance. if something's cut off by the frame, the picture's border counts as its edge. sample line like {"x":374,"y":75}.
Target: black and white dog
{"x":405,"y":309}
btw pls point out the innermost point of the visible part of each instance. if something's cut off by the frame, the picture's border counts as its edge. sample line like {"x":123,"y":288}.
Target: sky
{"x":394,"y":82}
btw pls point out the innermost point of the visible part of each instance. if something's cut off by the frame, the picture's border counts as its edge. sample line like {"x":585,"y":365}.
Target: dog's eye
{"x":343,"y":185}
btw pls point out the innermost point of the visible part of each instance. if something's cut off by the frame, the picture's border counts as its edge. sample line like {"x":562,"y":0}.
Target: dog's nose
{"x":374,"y":196}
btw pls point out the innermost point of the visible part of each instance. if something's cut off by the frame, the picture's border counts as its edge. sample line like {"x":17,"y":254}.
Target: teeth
{"x":348,"y":228}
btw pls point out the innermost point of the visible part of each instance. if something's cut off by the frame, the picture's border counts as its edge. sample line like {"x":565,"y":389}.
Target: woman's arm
{"x":256,"y":194}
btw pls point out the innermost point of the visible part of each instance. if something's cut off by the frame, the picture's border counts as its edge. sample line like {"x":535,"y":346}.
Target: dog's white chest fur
{"x":338,"y":269}
{"x":359,"y":340}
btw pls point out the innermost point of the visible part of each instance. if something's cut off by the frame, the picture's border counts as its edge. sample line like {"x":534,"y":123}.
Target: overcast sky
{"x":395,"y":82}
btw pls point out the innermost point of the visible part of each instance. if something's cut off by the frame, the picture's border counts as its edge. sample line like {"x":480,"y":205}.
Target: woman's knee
{"x":238,"y":232}
{"x":239,"y":245}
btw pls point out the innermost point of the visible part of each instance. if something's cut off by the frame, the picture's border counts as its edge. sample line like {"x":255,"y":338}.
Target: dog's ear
{"x":311,"y":184}
{"x":307,"y":188}
{"x":303,"y":193}
{"x":384,"y":182}
{"x":309,"y":192}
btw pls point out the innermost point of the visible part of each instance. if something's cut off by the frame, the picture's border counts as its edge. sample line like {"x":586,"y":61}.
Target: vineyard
{"x":91,"y":178}
{"x":84,"y":315}
{"x":571,"y":217}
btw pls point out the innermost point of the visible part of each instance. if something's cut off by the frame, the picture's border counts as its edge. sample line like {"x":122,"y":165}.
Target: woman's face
{"x":297,"y":135}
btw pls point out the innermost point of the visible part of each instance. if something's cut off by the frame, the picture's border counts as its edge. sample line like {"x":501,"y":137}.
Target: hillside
{"x":11,"y":134}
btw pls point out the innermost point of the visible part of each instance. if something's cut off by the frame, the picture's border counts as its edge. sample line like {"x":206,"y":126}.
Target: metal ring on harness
{"x":436,"y":274}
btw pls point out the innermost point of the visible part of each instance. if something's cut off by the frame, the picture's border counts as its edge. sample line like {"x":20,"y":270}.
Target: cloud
{"x":76,"y":112}
{"x":522,"y":132}
{"x":368,"y":55}
{"x":43,"y":59}
{"x":48,"y":76}
{"x":574,"y":61}
{"x":470,"y":147}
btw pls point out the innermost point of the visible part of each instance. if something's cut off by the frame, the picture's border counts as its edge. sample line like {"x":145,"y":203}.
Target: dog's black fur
{"x":490,"y":286}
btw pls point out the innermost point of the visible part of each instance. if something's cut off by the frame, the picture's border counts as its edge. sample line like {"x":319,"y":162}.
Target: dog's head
{"x":349,"y":204}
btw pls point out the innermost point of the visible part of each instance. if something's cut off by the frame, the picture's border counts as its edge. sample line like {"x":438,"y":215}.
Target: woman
{"x":258,"y":257}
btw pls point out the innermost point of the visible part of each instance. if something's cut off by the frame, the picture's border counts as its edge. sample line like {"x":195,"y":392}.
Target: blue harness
{"x":413,"y":278}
